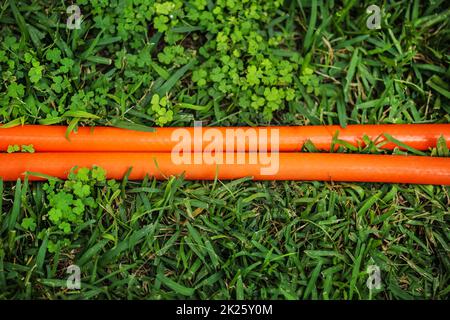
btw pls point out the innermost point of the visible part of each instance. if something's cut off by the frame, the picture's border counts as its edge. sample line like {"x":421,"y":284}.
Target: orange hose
{"x":291,"y":166}
{"x":52,"y":138}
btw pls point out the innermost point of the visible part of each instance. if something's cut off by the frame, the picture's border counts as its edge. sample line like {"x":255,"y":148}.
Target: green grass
{"x":227,"y":239}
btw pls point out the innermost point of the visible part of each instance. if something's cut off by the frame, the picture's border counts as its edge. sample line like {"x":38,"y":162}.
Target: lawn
{"x":140,"y":63}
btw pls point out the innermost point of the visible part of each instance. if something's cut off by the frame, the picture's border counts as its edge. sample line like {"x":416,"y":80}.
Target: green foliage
{"x":244,"y":49}
{"x":53,"y":55}
{"x":310,"y":81}
{"x":16,"y":90}
{"x":35,"y":72}
{"x":27,"y":148}
{"x":29,"y":224}
{"x":13,"y":148}
{"x":173,"y":55}
{"x":23,"y":148}
{"x":139,"y":63}
{"x":68,"y":203}
{"x":160,"y":108}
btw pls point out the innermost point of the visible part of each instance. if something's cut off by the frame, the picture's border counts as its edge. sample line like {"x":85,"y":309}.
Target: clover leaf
{"x":29,"y":224}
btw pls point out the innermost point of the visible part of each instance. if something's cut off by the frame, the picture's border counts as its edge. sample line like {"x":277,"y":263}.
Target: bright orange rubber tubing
{"x":292,"y":166}
{"x":292,"y":138}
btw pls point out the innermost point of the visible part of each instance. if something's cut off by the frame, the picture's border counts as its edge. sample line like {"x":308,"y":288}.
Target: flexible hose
{"x":292,"y":138}
{"x":291,"y":166}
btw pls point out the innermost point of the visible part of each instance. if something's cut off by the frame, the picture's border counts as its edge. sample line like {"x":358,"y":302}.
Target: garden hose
{"x":291,"y":138}
{"x":291,"y":166}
